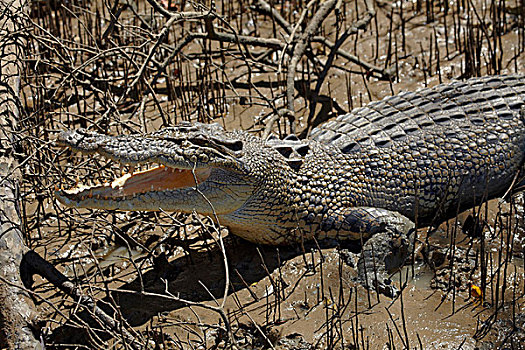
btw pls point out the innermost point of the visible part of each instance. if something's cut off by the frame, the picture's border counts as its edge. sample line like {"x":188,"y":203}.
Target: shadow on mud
{"x":187,"y":276}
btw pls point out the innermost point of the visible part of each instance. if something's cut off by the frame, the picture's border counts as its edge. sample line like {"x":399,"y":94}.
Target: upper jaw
{"x":133,"y":150}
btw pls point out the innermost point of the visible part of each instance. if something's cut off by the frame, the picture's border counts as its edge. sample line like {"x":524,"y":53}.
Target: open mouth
{"x":157,"y":179}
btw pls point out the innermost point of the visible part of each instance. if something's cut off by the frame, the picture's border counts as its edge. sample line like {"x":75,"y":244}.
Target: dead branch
{"x":296,"y":51}
{"x":381,"y":73}
{"x":174,"y":18}
{"x":17,"y":314}
{"x":324,"y":114}
{"x":302,"y":42}
{"x":37,"y":265}
{"x":263,"y":7}
{"x":171,"y":297}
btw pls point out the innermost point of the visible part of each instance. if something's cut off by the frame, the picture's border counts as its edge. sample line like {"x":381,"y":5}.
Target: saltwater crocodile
{"x":415,"y":157}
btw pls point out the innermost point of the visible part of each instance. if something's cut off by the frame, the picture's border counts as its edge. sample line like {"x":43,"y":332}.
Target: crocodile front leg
{"x":381,"y":256}
{"x":387,"y":238}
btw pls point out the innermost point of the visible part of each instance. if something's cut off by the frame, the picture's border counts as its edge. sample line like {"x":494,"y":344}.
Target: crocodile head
{"x":191,"y":167}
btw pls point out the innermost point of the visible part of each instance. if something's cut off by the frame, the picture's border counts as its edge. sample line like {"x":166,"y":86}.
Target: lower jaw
{"x":130,"y":186}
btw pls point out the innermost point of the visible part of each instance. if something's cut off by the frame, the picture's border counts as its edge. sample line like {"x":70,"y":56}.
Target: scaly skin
{"x":416,"y":157}
{"x":432,"y":153}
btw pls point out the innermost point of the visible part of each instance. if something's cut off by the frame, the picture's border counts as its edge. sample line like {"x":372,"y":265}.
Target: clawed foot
{"x":382,"y":255}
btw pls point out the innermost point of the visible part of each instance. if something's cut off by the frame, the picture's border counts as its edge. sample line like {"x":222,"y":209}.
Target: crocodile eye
{"x":230,"y":145}
{"x":235,"y":145}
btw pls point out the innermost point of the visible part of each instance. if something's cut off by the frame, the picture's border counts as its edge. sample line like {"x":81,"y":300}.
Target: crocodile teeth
{"x":120,"y":181}
{"x":156,"y":178}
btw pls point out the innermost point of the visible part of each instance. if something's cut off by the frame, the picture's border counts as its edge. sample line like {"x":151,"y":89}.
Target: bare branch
{"x":17,"y":314}
{"x":298,"y":51}
{"x":36,"y":264}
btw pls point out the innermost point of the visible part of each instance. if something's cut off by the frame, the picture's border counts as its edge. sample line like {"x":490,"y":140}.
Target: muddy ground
{"x":163,"y":274}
